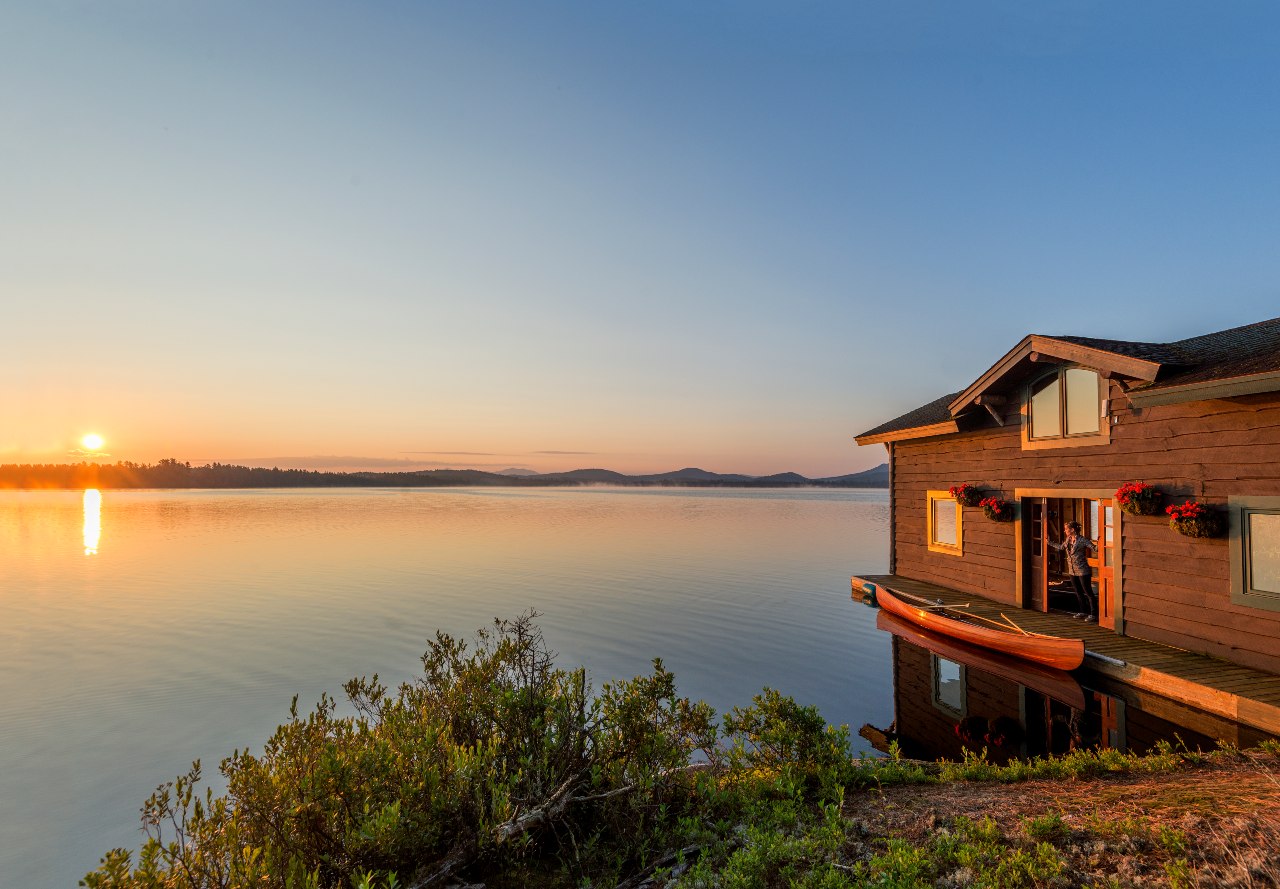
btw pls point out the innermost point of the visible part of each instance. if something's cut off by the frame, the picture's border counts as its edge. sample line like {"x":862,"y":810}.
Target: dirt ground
{"x":1212,"y":824}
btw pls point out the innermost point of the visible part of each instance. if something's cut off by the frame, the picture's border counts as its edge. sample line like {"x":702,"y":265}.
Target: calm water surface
{"x":144,"y":629}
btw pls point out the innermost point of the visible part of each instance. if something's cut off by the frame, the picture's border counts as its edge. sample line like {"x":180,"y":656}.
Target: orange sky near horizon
{"x":330,"y":443}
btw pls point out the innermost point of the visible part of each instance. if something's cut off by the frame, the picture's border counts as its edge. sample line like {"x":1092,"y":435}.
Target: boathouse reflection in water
{"x":951,"y":698}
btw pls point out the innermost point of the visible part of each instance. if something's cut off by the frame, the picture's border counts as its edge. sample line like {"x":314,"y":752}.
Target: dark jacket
{"x":1077,"y":555}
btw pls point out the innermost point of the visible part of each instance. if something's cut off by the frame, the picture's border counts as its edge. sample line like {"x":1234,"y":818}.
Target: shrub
{"x":493,"y":760}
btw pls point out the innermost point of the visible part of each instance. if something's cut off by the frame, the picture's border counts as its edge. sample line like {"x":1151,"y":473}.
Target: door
{"x":1035,"y":574}
{"x":1102,"y":528}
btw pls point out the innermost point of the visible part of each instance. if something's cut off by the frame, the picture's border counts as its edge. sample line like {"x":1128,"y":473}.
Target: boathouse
{"x":1059,"y":424}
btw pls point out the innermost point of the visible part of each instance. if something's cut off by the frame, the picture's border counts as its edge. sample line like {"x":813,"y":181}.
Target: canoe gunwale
{"x":1053,"y":651}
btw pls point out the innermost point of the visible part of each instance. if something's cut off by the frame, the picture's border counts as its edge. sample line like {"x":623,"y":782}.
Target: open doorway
{"x":1045,"y":576}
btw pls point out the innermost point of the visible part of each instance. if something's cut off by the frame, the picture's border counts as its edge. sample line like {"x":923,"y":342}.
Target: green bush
{"x":494,"y":761}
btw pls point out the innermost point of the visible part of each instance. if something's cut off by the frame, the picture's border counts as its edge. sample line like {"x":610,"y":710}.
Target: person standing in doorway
{"x":1077,"y":548}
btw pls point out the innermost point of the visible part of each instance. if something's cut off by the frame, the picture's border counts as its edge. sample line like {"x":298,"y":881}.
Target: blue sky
{"x":725,"y":234}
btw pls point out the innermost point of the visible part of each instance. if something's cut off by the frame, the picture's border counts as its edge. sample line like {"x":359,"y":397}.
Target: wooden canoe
{"x":1057,"y":684}
{"x":1052,"y":651}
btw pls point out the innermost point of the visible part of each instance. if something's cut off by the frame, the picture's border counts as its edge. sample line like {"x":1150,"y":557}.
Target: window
{"x":1064,"y":408}
{"x":1255,"y":551}
{"x":946,"y":531}
{"x":949,"y":687}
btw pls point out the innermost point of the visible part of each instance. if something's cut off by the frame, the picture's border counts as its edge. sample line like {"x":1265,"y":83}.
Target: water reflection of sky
{"x":201,"y":613}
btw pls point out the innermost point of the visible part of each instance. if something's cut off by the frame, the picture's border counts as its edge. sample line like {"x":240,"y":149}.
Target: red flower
{"x":1189,"y":510}
{"x":1131,"y":491}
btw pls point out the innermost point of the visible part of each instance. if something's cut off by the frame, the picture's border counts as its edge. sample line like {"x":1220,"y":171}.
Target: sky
{"x":636,"y":236}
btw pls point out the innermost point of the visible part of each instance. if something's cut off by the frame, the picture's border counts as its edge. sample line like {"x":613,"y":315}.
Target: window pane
{"x":948,"y":688}
{"x":944,"y":522}
{"x":1046,"y":421}
{"x":1264,"y":552}
{"x":1083,"y":406}
{"x":1109,"y":534}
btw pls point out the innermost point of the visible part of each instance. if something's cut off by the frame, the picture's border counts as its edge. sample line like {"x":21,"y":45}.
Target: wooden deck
{"x":1239,"y":694}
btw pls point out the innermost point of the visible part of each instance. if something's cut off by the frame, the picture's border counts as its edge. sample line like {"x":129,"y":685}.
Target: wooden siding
{"x":1176,"y":590}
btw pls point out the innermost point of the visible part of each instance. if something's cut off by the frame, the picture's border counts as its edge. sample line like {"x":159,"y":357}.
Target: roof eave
{"x":945,"y":428}
{"x":1231,"y":387}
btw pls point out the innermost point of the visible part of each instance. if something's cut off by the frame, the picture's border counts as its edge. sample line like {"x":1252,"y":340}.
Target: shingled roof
{"x":1161,"y":353}
{"x":934,"y":413}
{"x":1238,"y":361}
{"x":1246,"y":351}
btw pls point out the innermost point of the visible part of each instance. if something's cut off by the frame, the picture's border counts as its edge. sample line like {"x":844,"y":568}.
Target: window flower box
{"x":1193,"y":519}
{"x":1140,"y":498}
{"x":965,"y":495}
{"x":997,"y":510}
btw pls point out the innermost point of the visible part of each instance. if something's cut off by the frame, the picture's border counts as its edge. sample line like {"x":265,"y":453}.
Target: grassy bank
{"x":497,"y":768}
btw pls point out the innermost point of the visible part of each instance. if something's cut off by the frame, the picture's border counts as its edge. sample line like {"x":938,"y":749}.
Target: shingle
{"x":1161,"y":353}
{"x":925,"y":415}
{"x":1238,"y":352}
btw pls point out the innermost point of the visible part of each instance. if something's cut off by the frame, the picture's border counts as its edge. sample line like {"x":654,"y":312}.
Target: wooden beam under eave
{"x":944,"y":428}
{"x":994,"y":412}
{"x":1047,"y":348}
{"x":994,"y":373}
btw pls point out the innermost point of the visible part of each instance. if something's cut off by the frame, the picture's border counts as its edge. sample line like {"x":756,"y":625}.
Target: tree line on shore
{"x":172,"y":473}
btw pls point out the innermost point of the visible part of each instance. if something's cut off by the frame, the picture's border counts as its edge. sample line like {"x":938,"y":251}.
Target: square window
{"x":1255,"y":551}
{"x":1263,"y":552}
{"x":949,"y":687}
{"x":945,"y":520}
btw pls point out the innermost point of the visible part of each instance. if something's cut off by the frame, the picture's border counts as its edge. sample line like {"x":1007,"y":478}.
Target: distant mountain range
{"x":170,"y":473}
{"x":690,"y":477}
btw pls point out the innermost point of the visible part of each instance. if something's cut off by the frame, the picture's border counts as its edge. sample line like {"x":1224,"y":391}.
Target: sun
{"x":92,"y":442}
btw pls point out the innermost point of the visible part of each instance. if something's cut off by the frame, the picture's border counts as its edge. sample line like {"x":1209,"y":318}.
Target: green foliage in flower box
{"x":996,"y":509}
{"x":1139,"y":498}
{"x":1192,"y":519}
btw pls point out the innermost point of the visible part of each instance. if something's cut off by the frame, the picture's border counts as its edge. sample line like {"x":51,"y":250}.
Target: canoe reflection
{"x":951,"y":697}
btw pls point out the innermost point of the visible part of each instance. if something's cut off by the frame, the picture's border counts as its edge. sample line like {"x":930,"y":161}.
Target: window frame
{"x":1065,"y":440}
{"x":936,"y":546}
{"x":935,"y":663}
{"x":1242,"y":592}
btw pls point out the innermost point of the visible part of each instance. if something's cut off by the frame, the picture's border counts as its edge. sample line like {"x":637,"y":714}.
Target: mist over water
{"x":145,"y":629}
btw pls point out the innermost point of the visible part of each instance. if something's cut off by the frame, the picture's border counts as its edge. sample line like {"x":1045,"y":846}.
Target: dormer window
{"x":1063,"y":408}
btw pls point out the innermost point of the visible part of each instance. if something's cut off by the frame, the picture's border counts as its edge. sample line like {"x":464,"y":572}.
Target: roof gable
{"x":1227,"y":363}
{"x":1109,"y":357}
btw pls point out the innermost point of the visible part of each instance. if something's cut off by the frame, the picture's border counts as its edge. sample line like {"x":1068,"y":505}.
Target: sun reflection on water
{"x":92,"y":520}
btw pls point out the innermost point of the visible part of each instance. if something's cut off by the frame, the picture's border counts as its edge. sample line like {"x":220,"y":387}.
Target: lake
{"x":144,"y":629}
